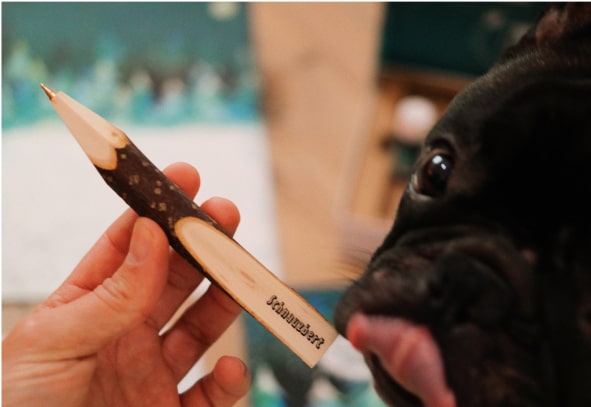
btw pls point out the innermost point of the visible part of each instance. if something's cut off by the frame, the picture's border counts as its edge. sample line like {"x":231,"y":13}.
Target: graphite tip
{"x":48,"y":91}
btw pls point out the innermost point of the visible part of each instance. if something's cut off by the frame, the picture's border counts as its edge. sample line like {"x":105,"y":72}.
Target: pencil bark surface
{"x":154,"y":195}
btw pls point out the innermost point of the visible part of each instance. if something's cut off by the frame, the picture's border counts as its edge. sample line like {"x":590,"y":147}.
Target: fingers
{"x":185,"y":176}
{"x":224,"y":212}
{"x":119,"y":304}
{"x":224,"y":386}
{"x":183,"y":278}
{"x":209,"y":317}
{"x":200,"y":326}
{"x":109,"y":251}
{"x":111,"y":287}
{"x":129,"y":296}
{"x":116,"y":238}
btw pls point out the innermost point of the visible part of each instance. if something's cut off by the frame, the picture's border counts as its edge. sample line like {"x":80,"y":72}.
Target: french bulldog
{"x":480,"y":295}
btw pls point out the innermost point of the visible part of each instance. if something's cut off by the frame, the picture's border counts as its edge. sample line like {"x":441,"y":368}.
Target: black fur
{"x":491,"y":245}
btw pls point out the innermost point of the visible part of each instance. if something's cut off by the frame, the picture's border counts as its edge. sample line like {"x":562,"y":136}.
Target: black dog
{"x":480,"y":295}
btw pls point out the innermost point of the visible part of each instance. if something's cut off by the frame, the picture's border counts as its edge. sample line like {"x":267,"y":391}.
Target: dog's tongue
{"x":407,"y":352}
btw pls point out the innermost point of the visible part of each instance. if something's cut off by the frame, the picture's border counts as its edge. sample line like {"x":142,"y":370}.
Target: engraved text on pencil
{"x":300,"y":326}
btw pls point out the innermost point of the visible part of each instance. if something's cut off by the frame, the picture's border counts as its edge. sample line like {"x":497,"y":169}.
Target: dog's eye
{"x":432,"y":178}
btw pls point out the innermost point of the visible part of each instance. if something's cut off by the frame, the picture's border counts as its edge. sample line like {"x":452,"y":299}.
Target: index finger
{"x":107,"y":254}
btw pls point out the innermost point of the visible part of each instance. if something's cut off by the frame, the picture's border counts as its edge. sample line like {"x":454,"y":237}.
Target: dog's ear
{"x":558,"y":22}
{"x":562,"y":20}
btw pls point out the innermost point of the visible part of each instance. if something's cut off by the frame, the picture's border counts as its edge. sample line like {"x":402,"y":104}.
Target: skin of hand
{"x":95,"y":341}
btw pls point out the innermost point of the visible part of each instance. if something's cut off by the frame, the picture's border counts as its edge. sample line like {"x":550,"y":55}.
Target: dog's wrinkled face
{"x":481,"y":293}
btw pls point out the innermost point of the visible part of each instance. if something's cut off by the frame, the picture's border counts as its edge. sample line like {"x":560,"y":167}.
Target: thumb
{"x":122,"y":301}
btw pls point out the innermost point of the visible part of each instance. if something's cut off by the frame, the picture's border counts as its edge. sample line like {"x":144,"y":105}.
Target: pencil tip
{"x":48,"y":91}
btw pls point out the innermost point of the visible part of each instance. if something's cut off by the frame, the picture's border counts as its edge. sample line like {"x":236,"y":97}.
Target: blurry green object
{"x":150,"y":63}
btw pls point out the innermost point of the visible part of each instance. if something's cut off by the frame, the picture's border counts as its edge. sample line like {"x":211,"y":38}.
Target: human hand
{"x":95,"y":341}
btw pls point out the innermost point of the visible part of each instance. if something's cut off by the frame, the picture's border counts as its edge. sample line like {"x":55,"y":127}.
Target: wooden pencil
{"x":194,"y":235}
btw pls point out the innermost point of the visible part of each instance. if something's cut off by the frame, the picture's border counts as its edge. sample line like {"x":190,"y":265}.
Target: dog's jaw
{"x":457,"y":321}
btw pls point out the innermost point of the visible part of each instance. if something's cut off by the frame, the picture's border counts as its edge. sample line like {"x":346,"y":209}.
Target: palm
{"x":133,"y":372}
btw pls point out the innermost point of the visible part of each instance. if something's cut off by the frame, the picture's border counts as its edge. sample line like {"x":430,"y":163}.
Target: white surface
{"x":55,"y":204}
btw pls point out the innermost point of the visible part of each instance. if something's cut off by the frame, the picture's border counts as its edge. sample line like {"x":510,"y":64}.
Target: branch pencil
{"x":194,"y":235}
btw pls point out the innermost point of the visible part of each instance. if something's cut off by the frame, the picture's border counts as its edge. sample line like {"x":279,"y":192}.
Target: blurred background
{"x":307,"y":115}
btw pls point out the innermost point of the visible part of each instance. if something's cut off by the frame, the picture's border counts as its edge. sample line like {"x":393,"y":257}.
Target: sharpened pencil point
{"x":48,"y":91}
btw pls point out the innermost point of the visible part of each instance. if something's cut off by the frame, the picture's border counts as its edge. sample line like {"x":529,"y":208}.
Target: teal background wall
{"x":150,"y":63}
{"x":462,"y":38}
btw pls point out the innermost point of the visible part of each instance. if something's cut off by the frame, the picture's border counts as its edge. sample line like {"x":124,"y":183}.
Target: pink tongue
{"x":408,"y":352}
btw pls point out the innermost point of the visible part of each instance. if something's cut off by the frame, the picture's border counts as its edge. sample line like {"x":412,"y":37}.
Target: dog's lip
{"x":407,"y":352}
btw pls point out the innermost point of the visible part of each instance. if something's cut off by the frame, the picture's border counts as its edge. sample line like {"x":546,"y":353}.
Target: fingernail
{"x":244,"y":368}
{"x":141,"y":243}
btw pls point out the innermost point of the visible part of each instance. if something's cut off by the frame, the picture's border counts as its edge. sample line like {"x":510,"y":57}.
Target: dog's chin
{"x":404,"y":359}
{"x":388,"y":389}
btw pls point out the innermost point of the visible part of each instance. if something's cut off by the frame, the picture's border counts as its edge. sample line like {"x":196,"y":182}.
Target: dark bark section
{"x":151,"y":194}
